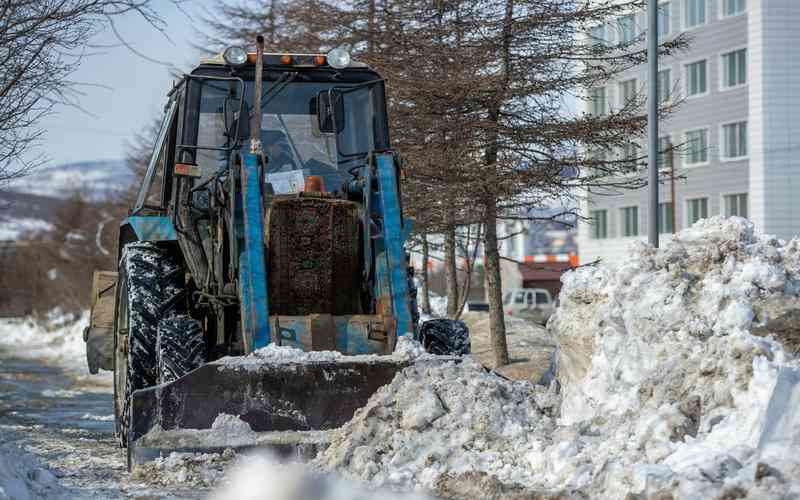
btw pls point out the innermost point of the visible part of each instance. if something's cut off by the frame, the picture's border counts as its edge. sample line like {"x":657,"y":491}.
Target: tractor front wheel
{"x":151,"y":288}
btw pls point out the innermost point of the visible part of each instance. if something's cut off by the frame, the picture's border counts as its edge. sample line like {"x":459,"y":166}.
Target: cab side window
{"x":155,"y":186}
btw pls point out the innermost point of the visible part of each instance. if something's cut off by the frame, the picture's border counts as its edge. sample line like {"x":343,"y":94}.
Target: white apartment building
{"x":738,"y":123}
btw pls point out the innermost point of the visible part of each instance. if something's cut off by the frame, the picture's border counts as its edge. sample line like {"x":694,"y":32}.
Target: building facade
{"x":736,"y":150}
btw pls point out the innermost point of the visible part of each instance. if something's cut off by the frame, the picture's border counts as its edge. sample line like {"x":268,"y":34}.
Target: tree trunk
{"x":450,"y":271}
{"x":497,"y":325}
{"x":424,"y":298}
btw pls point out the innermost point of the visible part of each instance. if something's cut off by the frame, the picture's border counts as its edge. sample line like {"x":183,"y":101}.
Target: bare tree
{"x":42,"y":42}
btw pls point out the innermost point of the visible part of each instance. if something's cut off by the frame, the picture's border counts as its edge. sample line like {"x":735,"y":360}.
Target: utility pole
{"x":652,"y":118}
{"x":671,"y":160}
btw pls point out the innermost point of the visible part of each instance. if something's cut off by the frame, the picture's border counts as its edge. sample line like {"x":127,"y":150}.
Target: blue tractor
{"x":270,"y":213}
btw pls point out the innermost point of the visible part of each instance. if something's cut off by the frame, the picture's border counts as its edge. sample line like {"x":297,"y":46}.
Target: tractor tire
{"x":181,"y":347}
{"x":151,"y":288}
{"x":446,"y":337}
{"x":412,"y":296}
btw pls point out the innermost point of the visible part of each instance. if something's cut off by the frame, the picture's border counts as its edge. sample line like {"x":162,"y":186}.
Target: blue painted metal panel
{"x":254,"y":302}
{"x":394,"y":252}
{"x":408,"y":226}
{"x":352,"y":333}
{"x":151,"y":227}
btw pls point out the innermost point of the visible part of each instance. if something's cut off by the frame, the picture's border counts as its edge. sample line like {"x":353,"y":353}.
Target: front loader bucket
{"x":272,"y":397}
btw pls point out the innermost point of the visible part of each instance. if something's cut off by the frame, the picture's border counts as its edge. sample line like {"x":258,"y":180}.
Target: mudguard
{"x":99,"y":334}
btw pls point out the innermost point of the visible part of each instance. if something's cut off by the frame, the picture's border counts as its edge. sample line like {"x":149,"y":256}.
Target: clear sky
{"x":137,"y":87}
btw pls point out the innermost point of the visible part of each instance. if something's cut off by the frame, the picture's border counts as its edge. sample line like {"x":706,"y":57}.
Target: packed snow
{"x":407,"y":349}
{"x":671,"y":384}
{"x":55,"y":336}
{"x":22,"y":477}
{"x":441,"y":418}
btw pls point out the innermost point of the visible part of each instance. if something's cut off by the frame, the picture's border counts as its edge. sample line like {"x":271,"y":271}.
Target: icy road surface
{"x":67,"y":422}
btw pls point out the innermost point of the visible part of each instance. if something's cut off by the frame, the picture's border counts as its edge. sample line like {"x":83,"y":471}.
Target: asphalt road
{"x":68,"y":423}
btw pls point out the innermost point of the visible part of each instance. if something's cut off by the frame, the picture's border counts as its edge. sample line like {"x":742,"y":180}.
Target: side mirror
{"x":330,"y":111}
{"x":237,"y":122}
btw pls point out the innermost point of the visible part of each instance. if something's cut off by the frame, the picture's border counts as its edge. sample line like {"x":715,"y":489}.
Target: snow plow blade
{"x":271,"y":397}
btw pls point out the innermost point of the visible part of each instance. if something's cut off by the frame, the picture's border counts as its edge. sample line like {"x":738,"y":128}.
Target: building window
{"x":696,"y":209}
{"x":627,"y":92}
{"x":627,"y":28}
{"x":597,"y":101}
{"x":695,"y":12}
{"x":598,"y":34}
{"x":734,"y":140}
{"x":664,"y":159}
{"x":735,"y":204}
{"x":696,"y":78}
{"x":630,"y":221}
{"x":734,"y":68}
{"x":599,"y":224}
{"x":664,"y":85}
{"x":630,"y":153}
{"x":733,"y":7}
{"x":696,"y":146}
{"x":666,"y":221}
{"x":664,"y":16}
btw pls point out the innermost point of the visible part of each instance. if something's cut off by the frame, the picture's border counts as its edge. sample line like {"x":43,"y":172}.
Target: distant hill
{"x":30,"y":203}
{"x":95,"y":179}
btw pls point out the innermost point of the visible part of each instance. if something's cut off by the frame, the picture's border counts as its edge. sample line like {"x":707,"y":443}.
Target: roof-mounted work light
{"x":339,"y":57}
{"x":235,"y":56}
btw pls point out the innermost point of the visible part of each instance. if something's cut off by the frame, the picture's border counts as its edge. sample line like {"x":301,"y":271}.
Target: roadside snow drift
{"x":23,"y":478}
{"x":678,"y":380}
{"x":56,"y":337}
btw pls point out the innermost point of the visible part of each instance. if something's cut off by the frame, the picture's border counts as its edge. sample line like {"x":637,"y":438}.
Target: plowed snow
{"x":665,"y":388}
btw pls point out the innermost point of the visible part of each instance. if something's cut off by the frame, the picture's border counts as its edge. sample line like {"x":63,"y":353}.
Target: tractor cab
{"x":315,"y":120}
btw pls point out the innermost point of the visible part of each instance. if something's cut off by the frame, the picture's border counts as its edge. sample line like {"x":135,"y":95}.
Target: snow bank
{"x":677,"y":376}
{"x":668,"y":358}
{"x":440,"y":418}
{"x":23,"y":478}
{"x":56,"y":337}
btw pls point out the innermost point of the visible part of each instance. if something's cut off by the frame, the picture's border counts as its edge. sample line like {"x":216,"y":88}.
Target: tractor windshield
{"x":290,"y":133}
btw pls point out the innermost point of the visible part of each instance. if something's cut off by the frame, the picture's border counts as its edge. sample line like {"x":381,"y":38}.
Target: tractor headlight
{"x":339,"y":58}
{"x":235,"y":56}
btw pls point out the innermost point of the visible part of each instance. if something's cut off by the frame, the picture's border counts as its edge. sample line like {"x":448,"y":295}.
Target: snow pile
{"x":438,"y":305}
{"x":57,"y":337}
{"x":261,"y":477}
{"x":439,"y":418}
{"x":197,"y":470}
{"x":677,"y":381}
{"x":663,"y":380}
{"x":22,"y":477}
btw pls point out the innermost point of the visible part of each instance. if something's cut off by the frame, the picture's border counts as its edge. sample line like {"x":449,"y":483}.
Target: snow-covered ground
{"x":677,"y":377}
{"x":672,"y":386}
{"x":55,"y":337}
{"x":22,"y":477}
{"x":11,"y":228}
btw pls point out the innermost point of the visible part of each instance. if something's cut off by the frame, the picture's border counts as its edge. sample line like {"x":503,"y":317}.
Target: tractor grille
{"x":314,"y":261}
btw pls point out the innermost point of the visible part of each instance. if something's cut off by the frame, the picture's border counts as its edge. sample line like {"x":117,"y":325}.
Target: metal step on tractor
{"x":270,"y":213}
